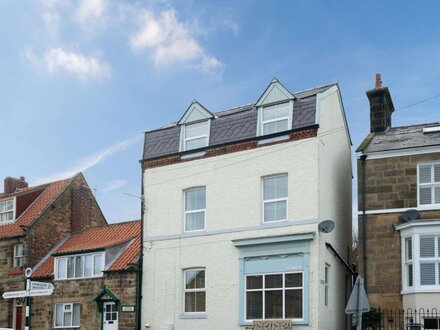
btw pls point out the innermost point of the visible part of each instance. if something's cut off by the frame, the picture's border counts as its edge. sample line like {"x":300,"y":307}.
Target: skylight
{"x":431,"y":129}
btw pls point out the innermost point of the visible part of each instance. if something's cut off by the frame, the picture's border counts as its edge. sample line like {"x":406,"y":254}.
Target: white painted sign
{"x":37,"y":293}
{"x":14,"y":294}
{"x":41,"y":286}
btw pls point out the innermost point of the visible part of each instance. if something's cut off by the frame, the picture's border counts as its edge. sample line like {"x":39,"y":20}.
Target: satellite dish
{"x":410,"y":215}
{"x":326,"y":226}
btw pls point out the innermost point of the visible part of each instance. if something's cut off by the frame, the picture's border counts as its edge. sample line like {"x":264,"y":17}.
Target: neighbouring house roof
{"x":99,"y":238}
{"x":50,"y":193}
{"x":232,"y":125}
{"x":403,"y":137}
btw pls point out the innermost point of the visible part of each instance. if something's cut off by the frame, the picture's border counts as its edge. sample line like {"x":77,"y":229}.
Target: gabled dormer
{"x":195,"y":126}
{"x":275,"y":109}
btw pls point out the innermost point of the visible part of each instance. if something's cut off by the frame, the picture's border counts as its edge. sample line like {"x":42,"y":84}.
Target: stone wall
{"x":122,"y":284}
{"x":391,"y":183}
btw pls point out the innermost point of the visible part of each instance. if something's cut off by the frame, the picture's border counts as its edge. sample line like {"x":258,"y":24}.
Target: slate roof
{"x":403,"y":137}
{"x":232,"y":125}
{"x":44,"y":200}
{"x":99,"y":238}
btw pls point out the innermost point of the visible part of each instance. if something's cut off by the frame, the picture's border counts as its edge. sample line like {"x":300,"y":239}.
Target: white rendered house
{"x":232,"y":205}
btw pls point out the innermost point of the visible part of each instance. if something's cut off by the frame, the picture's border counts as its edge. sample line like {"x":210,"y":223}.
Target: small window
{"x":195,"y":209}
{"x":429,"y":184}
{"x":18,"y":255}
{"x":326,"y":283}
{"x":275,"y":118}
{"x":275,"y":198}
{"x":81,"y":266}
{"x":67,"y":315}
{"x":6,"y":211}
{"x":194,"y":291}
{"x":195,"y":135}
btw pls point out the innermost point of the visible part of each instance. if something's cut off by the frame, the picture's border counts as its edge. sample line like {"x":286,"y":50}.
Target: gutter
{"x":364,"y":221}
{"x":338,"y":256}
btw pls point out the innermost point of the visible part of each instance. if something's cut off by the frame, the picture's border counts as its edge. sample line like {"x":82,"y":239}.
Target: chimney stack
{"x":381,"y":106}
{"x":12,"y":184}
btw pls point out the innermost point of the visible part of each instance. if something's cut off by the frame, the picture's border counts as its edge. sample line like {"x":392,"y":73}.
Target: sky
{"x":80,"y":81}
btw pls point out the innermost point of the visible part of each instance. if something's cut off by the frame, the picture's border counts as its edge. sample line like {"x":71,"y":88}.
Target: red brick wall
{"x":23,"y":201}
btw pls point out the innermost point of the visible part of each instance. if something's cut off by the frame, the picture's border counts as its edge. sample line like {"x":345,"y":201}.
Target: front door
{"x":110,"y":317}
{"x":18,"y":317}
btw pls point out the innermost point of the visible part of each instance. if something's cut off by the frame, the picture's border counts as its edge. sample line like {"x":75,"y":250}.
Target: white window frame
{"x":326,"y":284}
{"x":415,"y":233}
{"x":408,"y":261}
{"x":286,"y":199}
{"x":66,"y":257}
{"x":431,"y":185}
{"x":13,"y":210}
{"x":261,"y":122}
{"x":64,"y":311}
{"x":184,"y":139}
{"x":185,"y":212}
{"x":272,"y":289}
{"x":18,"y":257}
{"x":185,"y":290}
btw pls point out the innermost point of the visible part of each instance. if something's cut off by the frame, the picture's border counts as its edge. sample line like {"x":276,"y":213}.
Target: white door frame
{"x":115,"y":323}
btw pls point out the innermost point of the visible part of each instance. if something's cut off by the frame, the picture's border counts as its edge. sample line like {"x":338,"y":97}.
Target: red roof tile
{"x":100,"y":238}
{"x":44,"y":200}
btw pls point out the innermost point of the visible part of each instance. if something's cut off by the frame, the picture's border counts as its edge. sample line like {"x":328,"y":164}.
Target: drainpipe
{"x":141,"y":259}
{"x":364,"y":220}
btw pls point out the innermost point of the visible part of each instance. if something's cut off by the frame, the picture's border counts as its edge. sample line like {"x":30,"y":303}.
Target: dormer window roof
{"x":275,"y":109}
{"x":195,"y":127}
{"x":7,"y":210}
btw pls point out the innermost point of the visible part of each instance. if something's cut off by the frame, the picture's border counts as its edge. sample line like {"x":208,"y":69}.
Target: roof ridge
{"x":416,"y":125}
{"x":130,"y":222}
{"x":316,"y":87}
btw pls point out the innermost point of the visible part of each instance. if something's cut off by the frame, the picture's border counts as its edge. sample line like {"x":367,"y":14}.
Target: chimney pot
{"x":378,"y":83}
{"x":12,"y":184}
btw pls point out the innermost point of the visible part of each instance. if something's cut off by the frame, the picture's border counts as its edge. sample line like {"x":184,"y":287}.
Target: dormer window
{"x":275,"y":109}
{"x":195,"y":127}
{"x":196,"y":135}
{"x":6,"y":211}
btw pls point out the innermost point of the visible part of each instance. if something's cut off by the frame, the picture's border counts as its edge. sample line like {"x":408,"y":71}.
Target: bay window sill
{"x":430,"y":289}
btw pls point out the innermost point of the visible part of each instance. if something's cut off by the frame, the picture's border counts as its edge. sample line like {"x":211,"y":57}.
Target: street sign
{"x":14,"y":294}
{"x":41,"y":286}
{"x":358,"y":303}
{"x":37,"y":293}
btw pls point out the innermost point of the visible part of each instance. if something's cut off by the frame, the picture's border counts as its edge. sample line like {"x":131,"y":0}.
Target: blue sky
{"x":81,"y":80}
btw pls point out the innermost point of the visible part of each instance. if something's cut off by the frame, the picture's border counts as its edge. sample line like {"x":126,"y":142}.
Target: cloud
{"x":51,"y":19}
{"x":58,"y":60}
{"x":91,"y":160}
{"x":170,"y":42}
{"x":91,"y":12}
{"x":113,"y":185}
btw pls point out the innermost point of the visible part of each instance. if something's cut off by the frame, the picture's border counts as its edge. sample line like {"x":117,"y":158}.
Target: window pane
{"x":275,"y":187}
{"x":275,"y":126}
{"x":275,"y":211}
{"x":195,"y":199}
{"x":70,"y":267}
{"x":76,"y":314}
{"x":196,"y":129}
{"x":88,"y":266}
{"x":427,"y":246}
{"x":200,"y":301}
{"x":437,"y":195}
{"x":58,"y":315}
{"x":410,"y":275}
{"x":294,"y":304}
{"x":195,"y":279}
{"x":190,"y":302}
{"x":294,"y":280}
{"x":427,"y":273}
{"x":61,"y":268}
{"x":79,"y":266}
{"x":425,"y":196}
{"x":254,"y":282}
{"x":195,"y":143}
{"x":437,"y":173}
{"x":273,"y":304}
{"x":195,"y":221}
{"x":425,"y":173}
{"x":97,"y":267}
{"x":276,"y":111}
{"x":408,"y":242}
{"x":254,"y":305}
{"x":273,"y":281}
{"x":67,"y":318}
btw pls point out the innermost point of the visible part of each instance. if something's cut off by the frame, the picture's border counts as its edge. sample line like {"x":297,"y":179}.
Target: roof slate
{"x":44,"y":200}
{"x":99,"y":238}
{"x":232,"y":125}
{"x":402,"y":138}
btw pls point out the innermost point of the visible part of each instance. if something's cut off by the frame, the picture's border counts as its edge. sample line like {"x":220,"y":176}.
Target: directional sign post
{"x":358,"y":302}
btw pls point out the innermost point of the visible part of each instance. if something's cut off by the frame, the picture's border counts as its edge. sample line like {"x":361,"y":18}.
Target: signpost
{"x":358,"y":302}
{"x":33,"y":289}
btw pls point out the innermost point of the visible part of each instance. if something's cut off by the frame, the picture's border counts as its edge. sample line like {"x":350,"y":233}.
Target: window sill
{"x":430,"y":207}
{"x":430,"y":289}
{"x":189,"y":316}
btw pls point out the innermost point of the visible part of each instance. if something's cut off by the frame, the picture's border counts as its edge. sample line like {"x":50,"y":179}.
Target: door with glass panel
{"x":110,"y":317}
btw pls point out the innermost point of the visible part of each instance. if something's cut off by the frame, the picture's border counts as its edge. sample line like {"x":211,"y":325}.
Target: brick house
{"x":32,"y":221}
{"x":95,"y":275}
{"x":398,"y":171}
